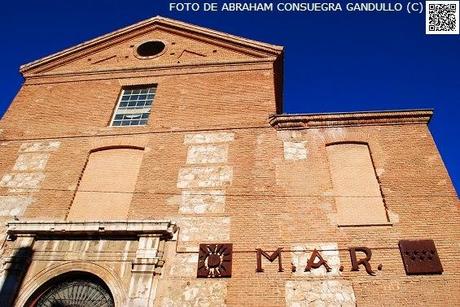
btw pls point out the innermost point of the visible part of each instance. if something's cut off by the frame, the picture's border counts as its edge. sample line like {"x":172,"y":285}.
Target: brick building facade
{"x":120,"y":156}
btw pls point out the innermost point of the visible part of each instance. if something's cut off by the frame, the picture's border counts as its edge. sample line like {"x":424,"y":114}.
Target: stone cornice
{"x":321,"y":120}
{"x":164,"y":228}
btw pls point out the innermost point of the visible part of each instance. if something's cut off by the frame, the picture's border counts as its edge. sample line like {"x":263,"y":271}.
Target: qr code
{"x":442,"y":17}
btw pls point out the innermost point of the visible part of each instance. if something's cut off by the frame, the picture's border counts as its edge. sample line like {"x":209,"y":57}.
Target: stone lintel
{"x":324,"y":120}
{"x":162,"y":228}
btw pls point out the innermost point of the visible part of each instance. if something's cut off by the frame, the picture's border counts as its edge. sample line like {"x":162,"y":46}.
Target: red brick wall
{"x":272,"y":202}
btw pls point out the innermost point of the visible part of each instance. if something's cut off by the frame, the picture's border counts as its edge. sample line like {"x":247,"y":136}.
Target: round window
{"x":150,"y":49}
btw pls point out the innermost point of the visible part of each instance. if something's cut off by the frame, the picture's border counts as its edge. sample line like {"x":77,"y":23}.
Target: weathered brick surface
{"x":279,"y":194}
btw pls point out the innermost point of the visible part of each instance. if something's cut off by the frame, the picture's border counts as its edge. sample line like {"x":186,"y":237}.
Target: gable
{"x":184,"y":44}
{"x":179,"y":49}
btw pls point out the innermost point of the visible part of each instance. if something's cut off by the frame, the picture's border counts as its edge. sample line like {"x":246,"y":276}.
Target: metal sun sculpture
{"x":215,"y":261}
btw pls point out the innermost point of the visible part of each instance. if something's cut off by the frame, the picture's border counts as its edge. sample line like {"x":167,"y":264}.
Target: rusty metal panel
{"x":420,"y":257}
{"x":215,"y":261}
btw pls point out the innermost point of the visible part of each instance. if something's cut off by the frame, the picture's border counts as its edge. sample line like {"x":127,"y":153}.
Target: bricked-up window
{"x":107,"y":185}
{"x":134,"y":106}
{"x":357,"y":191}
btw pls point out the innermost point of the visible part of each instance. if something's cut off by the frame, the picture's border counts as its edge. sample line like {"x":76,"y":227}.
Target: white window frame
{"x":134,"y":109}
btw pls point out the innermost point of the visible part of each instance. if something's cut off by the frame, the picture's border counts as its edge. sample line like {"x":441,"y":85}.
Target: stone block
{"x":184,"y":265}
{"x":14,"y":205}
{"x":202,"y":201}
{"x":290,"y":136}
{"x":40,"y":146}
{"x":204,"y":138}
{"x":22,"y":180}
{"x":204,"y":229}
{"x":207,"y":153}
{"x":319,"y":293}
{"x":204,"y":177}
{"x":194,"y":293}
{"x":31,"y":162}
{"x":329,"y":251}
{"x":295,"y":150}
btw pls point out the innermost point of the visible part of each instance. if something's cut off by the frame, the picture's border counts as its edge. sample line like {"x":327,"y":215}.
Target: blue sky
{"x":333,"y":61}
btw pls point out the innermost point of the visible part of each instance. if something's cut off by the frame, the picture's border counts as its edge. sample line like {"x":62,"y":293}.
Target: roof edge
{"x":359,"y":118}
{"x":274,"y":49}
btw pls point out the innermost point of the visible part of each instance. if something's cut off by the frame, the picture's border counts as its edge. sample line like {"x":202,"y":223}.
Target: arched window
{"x":357,"y":191}
{"x":77,"y":289}
{"x":107,"y":185}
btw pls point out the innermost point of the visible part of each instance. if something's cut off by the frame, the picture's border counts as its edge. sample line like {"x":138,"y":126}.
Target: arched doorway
{"x":74,"y":289}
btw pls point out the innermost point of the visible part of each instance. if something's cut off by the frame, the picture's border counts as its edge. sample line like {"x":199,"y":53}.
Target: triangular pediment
{"x":183,"y":44}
